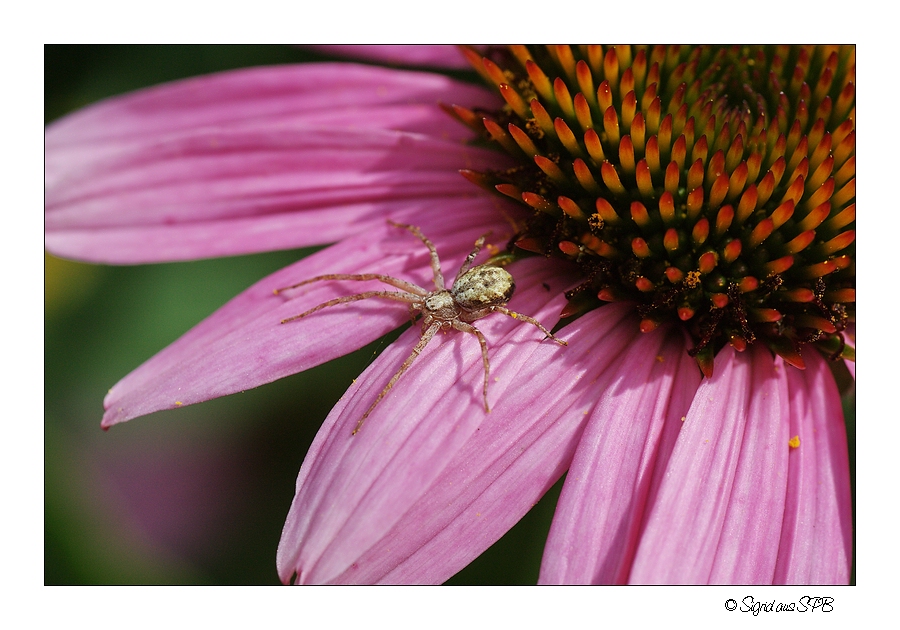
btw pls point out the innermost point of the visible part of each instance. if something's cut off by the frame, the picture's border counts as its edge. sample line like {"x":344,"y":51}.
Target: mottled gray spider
{"x":476,"y":292}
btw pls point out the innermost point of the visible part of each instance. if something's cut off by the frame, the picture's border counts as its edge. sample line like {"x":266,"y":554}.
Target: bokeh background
{"x":196,"y":495}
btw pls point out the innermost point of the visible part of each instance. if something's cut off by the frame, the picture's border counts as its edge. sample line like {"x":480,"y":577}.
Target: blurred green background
{"x":195,"y":495}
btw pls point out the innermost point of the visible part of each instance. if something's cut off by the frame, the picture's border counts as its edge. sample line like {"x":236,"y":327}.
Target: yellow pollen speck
{"x":660,"y":358}
{"x":692,"y":279}
{"x":178,"y":403}
{"x":794,"y":442}
{"x":493,"y":249}
{"x":683,"y":418}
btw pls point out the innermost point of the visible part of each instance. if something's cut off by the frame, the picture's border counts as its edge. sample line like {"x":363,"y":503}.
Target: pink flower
{"x":741,"y":476}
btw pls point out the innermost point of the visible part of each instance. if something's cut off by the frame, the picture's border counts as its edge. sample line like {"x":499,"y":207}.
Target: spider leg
{"x":530,"y":320}
{"x":435,"y":261}
{"x":389,"y":295}
{"x":467,"y":264}
{"x":413,"y":312}
{"x":484,"y":355}
{"x":423,"y":341}
{"x":394,"y":282}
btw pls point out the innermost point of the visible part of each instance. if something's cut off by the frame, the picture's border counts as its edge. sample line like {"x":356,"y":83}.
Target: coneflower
{"x":671,"y":207}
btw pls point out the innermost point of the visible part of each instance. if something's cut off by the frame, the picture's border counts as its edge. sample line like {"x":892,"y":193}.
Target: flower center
{"x":712,"y":186}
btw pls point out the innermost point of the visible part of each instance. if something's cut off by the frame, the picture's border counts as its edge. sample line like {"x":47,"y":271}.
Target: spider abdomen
{"x":483,"y":287}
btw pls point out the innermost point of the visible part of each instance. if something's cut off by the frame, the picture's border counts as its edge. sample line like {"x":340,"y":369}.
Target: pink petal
{"x":817,"y":535}
{"x":758,"y":496}
{"x":722,"y":500}
{"x":214,"y":193}
{"x":430,"y":528}
{"x":434,"y":56}
{"x":243,"y":345}
{"x":598,"y":520}
{"x":327,"y":95}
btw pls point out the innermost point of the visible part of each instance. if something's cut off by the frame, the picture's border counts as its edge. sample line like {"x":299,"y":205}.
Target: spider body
{"x":475,"y":293}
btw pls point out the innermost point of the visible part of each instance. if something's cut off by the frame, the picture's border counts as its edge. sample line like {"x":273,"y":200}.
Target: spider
{"x":476,"y":292}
